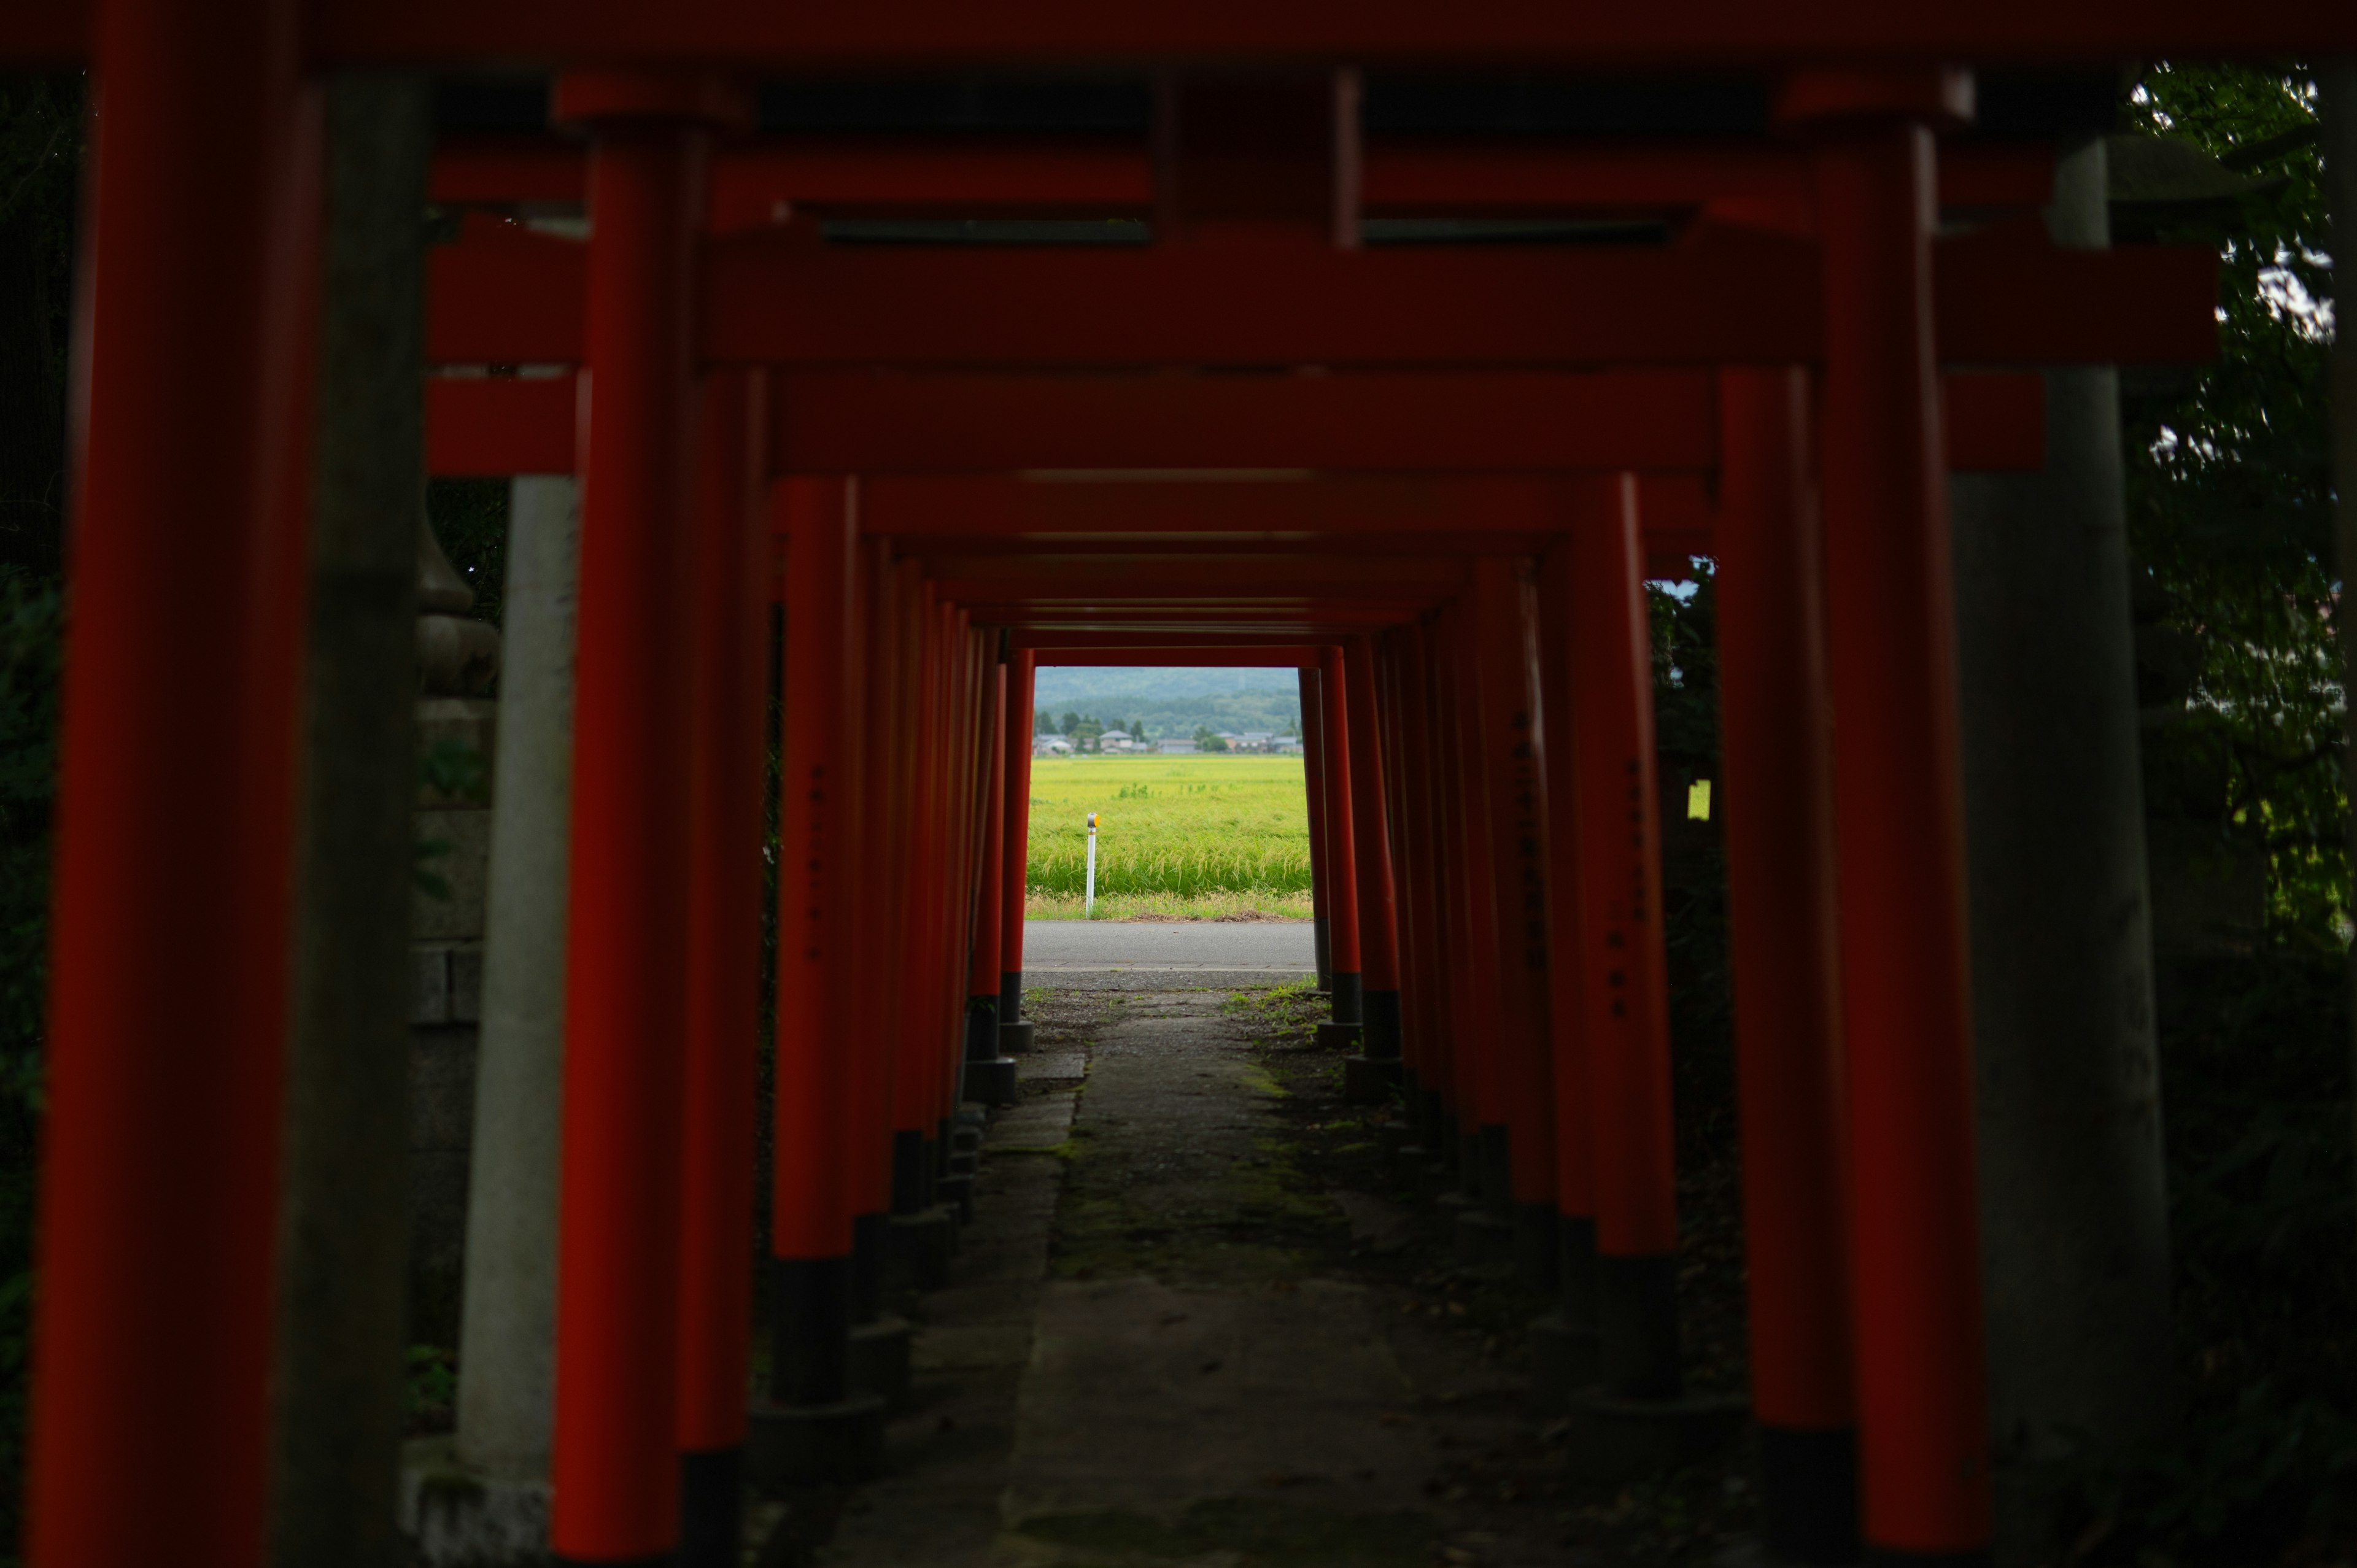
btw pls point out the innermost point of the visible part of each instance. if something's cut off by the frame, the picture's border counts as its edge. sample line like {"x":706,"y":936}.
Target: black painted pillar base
{"x":1808,"y":1495}
{"x":916,"y":1256}
{"x":1321,"y":941}
{"x":1537,"y":1245}
{"x":981,"y":1028}
{"x":1483,"y":1243}
{"x":661,"y":1560}
{"x":788,"y":1445}
{"x":816,"y":1425}
{"x":1576,"y":1267}
{"x":1334,"y":1035}
{"x":911,"y":1167}
{"x":1348,"y":1003}
{"x":1434,"y":1124}
{"x":1563,"y":1351}
{"x":1014,"y":1031}
{"x":712,"y":1508}
{"x":1617,"y":1439}
{"x":1468,"y":1164}
{"x":880,"y":1361}
{"x":1563,"y":1360}
{"x":1380,"y":1012}
{"x":1637,"y":1326}
{"x":989,"y":1080}
{"x":867,"y":1234}
{"x":809,"y":1329}
{"x":1497,"y":1173}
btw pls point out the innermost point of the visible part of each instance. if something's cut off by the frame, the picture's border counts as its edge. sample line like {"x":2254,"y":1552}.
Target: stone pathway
{"x":1141,"y":1365}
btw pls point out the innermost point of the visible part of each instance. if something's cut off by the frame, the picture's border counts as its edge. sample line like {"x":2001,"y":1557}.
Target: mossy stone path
{"x":1142,"y":1364}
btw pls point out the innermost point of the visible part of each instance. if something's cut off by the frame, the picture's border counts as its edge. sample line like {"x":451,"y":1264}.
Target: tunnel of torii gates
{"x":1436,"y":493}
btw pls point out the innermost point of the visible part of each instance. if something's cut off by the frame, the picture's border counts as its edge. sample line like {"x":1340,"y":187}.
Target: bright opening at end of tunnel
{"x":1193,"y":778}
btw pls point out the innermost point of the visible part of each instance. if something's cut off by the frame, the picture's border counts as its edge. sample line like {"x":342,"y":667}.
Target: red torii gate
{"x":158,"y":1188}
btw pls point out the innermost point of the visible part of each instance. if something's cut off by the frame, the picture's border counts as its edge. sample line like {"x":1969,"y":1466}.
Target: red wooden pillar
{"x":1563,"y":1344}
{"x":1922,"y":1407}
{"x":961,"y":733}
{"x":1313,"y":783}
{"x":1392,"y":720}
{"x":1777,"y":740}
{"x":1013,"y":1033}
{"x":1473,"y":909}
{"x":1377,"y":1067}
{"x":914,"y":1095}
{"x":168,"y":939}
{"x":724,"y":964}
{"x":1505,"y":717}
{"x":985,"y":970}
{"x":1627,"y":1037}
{"x":1426,"y":1044}
{"x":823,"y":1125}
{"x":879,"y":721}
{"x":1341,"y":837}
{"x":616,"y":1477}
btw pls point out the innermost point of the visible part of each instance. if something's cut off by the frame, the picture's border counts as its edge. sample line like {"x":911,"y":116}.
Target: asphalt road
{"x":1121,"y":954}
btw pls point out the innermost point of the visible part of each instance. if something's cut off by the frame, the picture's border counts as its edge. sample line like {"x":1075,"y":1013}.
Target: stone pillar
{"x":456,"y":661}
{"x":343,"y":1234}
{"x":494,"y":1506}
{"x":505,"y":1387}
{"x":2075,"y":1217}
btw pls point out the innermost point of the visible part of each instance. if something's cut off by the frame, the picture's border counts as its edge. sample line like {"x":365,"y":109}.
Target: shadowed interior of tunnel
{"x":581,"y":984}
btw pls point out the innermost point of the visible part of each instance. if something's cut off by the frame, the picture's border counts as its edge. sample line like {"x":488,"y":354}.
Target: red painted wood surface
{"x":729,"y":692}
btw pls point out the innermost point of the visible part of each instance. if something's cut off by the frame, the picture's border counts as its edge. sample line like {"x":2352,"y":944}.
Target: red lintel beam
{"x":1489,"y":176}
{"x":1197,"y":641}
{"x":1301,"y":657}
{"x":872,"y":422}
{"x":1186,"y":576}
{"x":971,"y":176}
{"x":944,"y":35}
{"x":1325,"y":621}
{"x":1110,"y":425}
{"x":1270,"y":509}
{"x":1721,"y":295}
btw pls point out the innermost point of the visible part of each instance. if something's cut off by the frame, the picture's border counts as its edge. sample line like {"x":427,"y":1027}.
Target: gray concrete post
{"x":2073,"y":1203}
{"x":344,"y":1193}
{"x":507,"y":1335}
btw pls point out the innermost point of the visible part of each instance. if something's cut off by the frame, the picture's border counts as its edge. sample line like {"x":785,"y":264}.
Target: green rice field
{"x":1178,"y":837}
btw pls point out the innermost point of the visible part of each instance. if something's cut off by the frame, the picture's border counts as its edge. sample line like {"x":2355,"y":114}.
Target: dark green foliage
{"x":470,"y":520}
{"x":2230,"y":514}
{"x":1693,"y":869}
{"x":2255,"y":1070}
{"x":31,"y":638}
{"x":40,"y":161}
{"x":2239,"y":670}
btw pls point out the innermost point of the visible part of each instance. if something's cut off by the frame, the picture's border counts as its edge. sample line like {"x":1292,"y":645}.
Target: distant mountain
{"x":1172,"y":701}
{"x":1061,"y":686}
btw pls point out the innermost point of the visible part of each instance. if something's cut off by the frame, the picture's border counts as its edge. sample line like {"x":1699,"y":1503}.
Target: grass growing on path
{"x":1178,"y":838}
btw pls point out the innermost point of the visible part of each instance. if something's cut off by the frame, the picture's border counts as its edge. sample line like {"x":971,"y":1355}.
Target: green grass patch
{"x":1186,"y":830}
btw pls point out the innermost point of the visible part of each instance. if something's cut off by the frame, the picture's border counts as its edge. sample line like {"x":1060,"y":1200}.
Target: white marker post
{"x":1091,"y":903}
